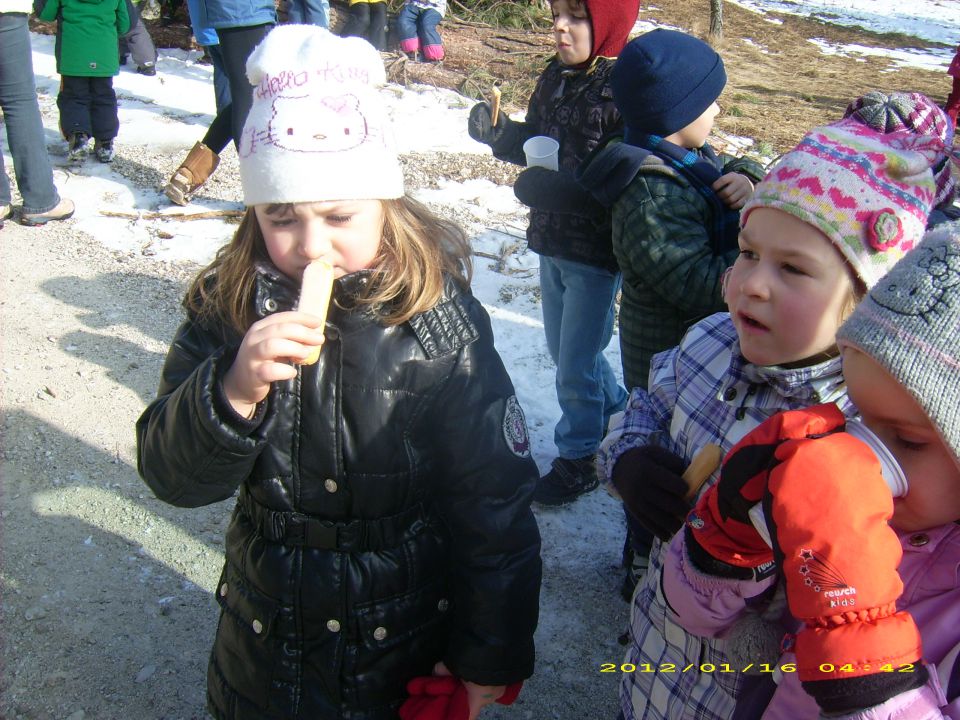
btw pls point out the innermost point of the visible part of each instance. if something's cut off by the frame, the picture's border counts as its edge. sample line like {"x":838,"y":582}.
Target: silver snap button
{"x":330,"y":485}
{"x":333,"y":625}
{"x":257,"y":626}
{"x":270,"y":304}
{"x":223,"y":590}
{"x":443,"y":605}
{"x":380,"y":633}
{"x":919,"y":540}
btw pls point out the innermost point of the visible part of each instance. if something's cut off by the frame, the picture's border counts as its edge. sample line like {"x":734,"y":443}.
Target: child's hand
{"x":734,"y":189}
{"x":478,"y":696}
{"x":829,"y":514}
{"x":481,"y":127}
{"x":265,"y":356}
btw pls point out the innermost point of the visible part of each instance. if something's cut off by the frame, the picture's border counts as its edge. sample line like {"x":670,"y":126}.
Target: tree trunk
{"x":716,"y":19}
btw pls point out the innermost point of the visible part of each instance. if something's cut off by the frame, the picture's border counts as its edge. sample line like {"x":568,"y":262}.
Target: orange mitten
{"x":827,"y":510}
{"x":720,"y":525}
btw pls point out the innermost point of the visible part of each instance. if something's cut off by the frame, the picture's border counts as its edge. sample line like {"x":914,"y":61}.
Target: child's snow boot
{"x":192,"y":173}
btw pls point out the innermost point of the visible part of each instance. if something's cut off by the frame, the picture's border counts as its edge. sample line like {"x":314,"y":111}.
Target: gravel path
{"x":107,"y":609}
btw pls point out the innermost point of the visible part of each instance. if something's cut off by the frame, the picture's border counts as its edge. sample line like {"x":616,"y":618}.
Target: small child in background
{"x":873,"y":584}
{"x":824,"y":225}
{"x":675,"y":205}
{"x":87,"y":59}
{"x":417,"y":26}
{"x":383,"y":530}
{"x":888,"y":112}
{"x":138,"y":44}
{"x":573,"y":104}
{"x":367,"y":20}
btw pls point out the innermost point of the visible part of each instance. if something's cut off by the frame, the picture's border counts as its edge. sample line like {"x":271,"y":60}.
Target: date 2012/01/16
{"x":757,"y":668}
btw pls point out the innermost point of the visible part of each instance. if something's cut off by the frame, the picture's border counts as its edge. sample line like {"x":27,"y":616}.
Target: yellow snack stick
{"x":701,"y":467}
{"x":494,"y":105}
{"x":315,"y":296}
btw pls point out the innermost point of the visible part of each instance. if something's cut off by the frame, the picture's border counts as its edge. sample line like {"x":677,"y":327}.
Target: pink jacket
{"x":709,"y":606}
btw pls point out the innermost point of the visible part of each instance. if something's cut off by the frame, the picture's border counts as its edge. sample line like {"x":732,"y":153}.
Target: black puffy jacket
{"x":575,"y":107}
{"x":383,"y":521}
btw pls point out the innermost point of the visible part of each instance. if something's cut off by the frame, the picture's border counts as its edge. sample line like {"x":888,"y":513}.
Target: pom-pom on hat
{"x":318,"y":128}
{"x":869,"y":193}
{"x":910,"y":112}
{"x":612,"y":21}
{"x":664,"y":80}
{"x":910,"y":324}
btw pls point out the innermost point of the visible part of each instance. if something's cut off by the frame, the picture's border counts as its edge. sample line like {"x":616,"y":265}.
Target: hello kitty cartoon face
{"x":333,"y":124}
{"x":921,"y":294}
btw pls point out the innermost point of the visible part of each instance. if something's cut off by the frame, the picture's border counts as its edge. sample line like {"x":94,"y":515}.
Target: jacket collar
{"x":813,"y":384}
{"x":275,"y":292}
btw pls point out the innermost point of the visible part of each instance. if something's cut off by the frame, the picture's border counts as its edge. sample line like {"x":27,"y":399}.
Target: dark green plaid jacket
{"x":671,"y":272}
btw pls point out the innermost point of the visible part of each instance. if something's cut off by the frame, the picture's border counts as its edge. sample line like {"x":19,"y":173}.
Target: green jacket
{"x":87,"y":34}
{"x":671,"y":274}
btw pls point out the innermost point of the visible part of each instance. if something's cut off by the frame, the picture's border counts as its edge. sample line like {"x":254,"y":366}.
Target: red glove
{"x":444,"y":698}
{"x":719,"y":525}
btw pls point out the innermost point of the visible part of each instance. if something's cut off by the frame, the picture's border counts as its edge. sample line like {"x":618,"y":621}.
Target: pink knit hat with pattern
{"x":869,"y":193}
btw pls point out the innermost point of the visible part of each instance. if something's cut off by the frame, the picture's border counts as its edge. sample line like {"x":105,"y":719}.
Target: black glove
{"x":482,"y":130}
{"x":556,"y":192}
{"x":649,"y":480}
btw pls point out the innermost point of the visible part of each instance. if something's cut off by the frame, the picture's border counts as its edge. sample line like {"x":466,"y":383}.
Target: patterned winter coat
{"x":702,"y":391}
{"x":575,"y":107}
{"x":87,"y":34}
{"x":383,"y":522}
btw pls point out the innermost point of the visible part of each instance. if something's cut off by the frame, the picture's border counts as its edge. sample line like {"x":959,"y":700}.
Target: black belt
{"x":294,"y":528}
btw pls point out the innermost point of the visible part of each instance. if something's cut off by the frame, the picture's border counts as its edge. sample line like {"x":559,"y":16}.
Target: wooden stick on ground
{"x":205,"y":215}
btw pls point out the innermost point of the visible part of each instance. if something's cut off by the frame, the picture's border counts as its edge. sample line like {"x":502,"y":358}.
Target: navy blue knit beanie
{"x":664,"y":80}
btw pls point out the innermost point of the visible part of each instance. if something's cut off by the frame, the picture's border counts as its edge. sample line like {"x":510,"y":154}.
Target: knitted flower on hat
{"x":869,"y":193}
{"x":318,"y":129}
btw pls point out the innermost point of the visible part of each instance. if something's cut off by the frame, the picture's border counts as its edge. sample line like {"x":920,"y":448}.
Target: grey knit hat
{"x":910,"y":324}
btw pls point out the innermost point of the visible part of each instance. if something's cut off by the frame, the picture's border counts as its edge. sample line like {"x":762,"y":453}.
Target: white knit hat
{"x":317,"y":129}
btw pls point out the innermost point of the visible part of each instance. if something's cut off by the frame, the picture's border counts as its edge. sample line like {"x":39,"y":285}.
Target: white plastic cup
{"x":542,"y":151}
{"x":892,"y":473}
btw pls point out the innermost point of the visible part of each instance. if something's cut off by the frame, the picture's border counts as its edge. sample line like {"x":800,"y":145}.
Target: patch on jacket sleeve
{"x":515,"y":428}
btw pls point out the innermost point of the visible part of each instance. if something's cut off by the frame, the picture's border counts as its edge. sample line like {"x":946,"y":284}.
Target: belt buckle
{"x":295,"y":529}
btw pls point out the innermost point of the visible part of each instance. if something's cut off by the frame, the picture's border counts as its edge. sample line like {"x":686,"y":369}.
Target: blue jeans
{"x":21,"y":115}
{"x":417,"y":28}
{"x":309,"y":12}
{"x":221,"y":82}
{"x":578,"y":310}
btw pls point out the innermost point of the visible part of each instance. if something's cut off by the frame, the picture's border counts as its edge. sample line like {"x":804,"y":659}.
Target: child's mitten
{"x":444,"y":697}
{"x":482,"y":129}
{"x":650,"y":483}
{"x":557,"y":192}
{"x":721,"y":537}
{"x":827,"y":510}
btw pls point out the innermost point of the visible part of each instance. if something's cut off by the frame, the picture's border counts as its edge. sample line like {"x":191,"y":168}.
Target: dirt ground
{"x":105,"y":593}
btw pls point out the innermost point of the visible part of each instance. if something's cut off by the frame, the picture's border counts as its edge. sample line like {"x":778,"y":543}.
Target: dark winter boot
{"x":103,"y":150}
{"x":192,"y":173}
{"x":77,"y":146}
{"x":566,"y":481}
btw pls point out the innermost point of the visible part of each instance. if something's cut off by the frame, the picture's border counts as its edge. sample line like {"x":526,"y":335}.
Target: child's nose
{"x":755,"y":282}
{"x":315,"y":242}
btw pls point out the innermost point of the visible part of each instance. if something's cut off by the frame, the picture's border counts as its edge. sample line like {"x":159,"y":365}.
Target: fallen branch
{"x":206,"y":215}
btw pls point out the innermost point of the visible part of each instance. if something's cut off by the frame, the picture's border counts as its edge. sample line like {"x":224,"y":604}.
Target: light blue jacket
{"x":238,"y":13}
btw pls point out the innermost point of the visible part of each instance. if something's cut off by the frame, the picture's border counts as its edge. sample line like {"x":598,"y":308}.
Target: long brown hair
{"x":418,"y":251}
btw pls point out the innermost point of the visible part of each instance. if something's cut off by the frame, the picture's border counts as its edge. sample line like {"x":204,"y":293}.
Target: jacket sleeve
{"x":750,"y":169}
{"x":645,"y":419}
{"x":705,"y":605}
{"x":124,"y":23}
{"x":485,"y":501}
{"x":191,"y":449}
{"x":665,"y":241}
{"x":46,"y":10}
